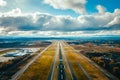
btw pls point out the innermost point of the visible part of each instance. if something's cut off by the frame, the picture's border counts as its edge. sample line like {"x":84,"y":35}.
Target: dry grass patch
{"x":77,"y":70}
{"x":40,"y":69}
{"x":92,"y":70}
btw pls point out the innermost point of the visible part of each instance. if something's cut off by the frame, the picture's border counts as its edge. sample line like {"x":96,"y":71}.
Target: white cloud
{"x":101,"y":9}
{"x":13,"y":13}
{"x":3,"y":3}
{"x":59,"y":34}
{"x":2,"y":31}
{"x":76,"y":5}
{"x":115,"y":21}
{"x":37,"y":23}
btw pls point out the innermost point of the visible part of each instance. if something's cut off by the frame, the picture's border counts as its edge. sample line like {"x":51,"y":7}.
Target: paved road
{"x":61,"y":65}
{"x":84,"y":71}
{"x":61,"y":72}
{"x":50,"y":77}
{"x":67,"y":62}
{"x":20,"y":72}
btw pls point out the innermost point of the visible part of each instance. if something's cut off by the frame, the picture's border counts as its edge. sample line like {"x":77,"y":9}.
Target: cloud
{"x":101,"y":9}
{"x":115,"y":21}
{"x":60,"y":34}
{"x":37,"y":23}
{"x":13,"y":13}
{"x":2,"y":31}
{"x":76,"y":5}
{"x":3,"y":3}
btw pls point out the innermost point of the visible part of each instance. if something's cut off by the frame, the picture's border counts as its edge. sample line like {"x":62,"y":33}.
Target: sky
{"x":42,"y":18}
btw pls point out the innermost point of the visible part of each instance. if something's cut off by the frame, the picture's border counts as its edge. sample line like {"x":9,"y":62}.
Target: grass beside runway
{"x":75,"y":58}
{"x":40,"y":69}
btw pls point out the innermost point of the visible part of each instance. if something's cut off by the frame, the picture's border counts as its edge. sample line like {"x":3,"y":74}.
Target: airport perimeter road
{"x":20,"y":72}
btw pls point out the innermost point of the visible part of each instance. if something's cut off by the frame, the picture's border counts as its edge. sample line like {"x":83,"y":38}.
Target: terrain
{"x":60,"y":60}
